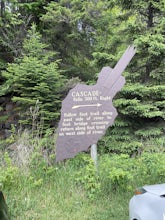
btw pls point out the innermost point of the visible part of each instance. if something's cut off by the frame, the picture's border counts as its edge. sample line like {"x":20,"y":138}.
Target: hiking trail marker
{"x":87,"y":111}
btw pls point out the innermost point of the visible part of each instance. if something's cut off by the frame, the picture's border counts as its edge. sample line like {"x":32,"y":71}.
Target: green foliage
{"x":108,"y":43}
{"x":42,"y":166}
{"x":120,"y":172}
{"x":60,"y":198}
{"x":141,"y":101}
{"x":119,"y":177}
{"x":75,"y":184}
{"x":69,"y":27}
{"x":154,"y":145}
{"x":151,"y":167}
{"x":8,"y":173}
{"x":35,"y":78}
{"x":13,"y":29}
{"x":86,"y":175}
{"x":35,"y":8}
{"x":115,"y":172}
{"x":149,"y":132}
{"x":122,"y":138}
{"x":146,"y":90}
{"x":3,"y":118}
{"x":4,"y":143}
{"x":135,"y":108}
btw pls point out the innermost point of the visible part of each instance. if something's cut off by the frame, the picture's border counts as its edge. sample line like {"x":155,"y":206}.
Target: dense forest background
{"x":46,"y":47}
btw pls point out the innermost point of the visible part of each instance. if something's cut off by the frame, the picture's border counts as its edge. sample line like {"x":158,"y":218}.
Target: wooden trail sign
{"x":87,"y":111}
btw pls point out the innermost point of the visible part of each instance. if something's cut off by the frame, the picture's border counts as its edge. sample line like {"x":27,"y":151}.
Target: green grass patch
{"x":64,"y":201}
{"x":75,"y":189}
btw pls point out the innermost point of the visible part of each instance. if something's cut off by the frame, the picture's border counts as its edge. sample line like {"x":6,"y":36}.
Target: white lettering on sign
{"x":85,"y":93}
{"x":85,"y":123}
{"x":105,"y":98}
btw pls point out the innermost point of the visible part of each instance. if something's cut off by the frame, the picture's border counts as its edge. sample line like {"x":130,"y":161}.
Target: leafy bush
{"x":151,"y":168}
{"x":8,"y":173}
{"x":118,"y":172}
{"x":86,"y":174}
{"x":115,"y":172}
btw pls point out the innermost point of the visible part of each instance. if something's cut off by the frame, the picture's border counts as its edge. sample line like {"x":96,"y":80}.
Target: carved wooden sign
{"x":87,"y":111}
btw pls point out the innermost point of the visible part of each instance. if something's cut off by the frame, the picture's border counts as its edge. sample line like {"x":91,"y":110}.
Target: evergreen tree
{"x":35,"y":78}
{"x":13,"y":29}
{"x":141,"y":103}
{"x":69,"y":28}
{"x":146,"y":88}
{"x":15,"y":19}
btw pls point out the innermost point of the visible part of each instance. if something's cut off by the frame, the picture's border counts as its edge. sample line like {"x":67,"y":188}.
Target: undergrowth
{"x":38,"y":188}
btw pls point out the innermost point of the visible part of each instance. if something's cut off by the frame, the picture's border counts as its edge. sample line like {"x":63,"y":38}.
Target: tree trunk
{"x":150,"y":16}
{"x":2,"y":8}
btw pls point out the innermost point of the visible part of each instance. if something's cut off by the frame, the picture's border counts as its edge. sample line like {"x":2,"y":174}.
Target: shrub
{"x":8,"y":173}
{"x":115,"y":172}
{"x":86,"y":174}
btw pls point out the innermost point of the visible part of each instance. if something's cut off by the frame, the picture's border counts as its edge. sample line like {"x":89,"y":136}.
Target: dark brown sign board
{"x":87,"y":111}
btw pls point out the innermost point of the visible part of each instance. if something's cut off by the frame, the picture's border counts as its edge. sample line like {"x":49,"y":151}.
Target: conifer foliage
{"x":35,"y":78}
{"x":143,"y":96}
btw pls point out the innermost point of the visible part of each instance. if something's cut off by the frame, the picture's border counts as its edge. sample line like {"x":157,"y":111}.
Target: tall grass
{"x":58,"y":196}
{"x":37,"y":188}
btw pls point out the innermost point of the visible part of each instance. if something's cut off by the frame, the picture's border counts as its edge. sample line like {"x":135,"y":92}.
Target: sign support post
{"x":94,"y":155}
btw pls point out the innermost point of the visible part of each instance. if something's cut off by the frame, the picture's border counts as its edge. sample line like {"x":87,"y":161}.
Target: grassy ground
{"x":57,"y":196}
{"x":52,"y":201}
{"x":74,"y":190}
